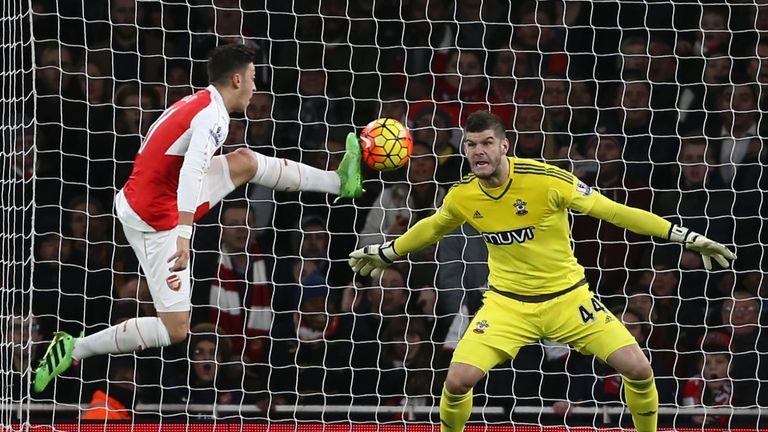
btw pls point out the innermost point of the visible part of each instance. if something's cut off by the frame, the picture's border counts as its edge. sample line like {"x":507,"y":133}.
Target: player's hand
{"x":181,"y":257}
{"x":373,"y":259}
{"x":708,"y":249}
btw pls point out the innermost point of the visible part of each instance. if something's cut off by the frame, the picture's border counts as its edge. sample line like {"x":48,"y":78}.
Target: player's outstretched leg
{"x":285,"y":175}
{"x":349,"y":169}
{"x":57,"y":359}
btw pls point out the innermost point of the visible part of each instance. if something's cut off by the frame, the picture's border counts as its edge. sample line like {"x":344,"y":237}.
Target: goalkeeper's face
{"x":485,"y":152}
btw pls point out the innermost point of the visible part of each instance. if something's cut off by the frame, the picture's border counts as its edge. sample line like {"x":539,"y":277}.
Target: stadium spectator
{"x":220,"y":22}
{"x":88,"y":228}
{"x":212,"y":376}
{"x":663,"y":72}
{"x":482,"y":23}
{"x":678,"y":315}
{"x":699,"y":98}
{"x":331,"y":157}
{"x":58,"y":112}
{"x":240,"y":296}
{"x":649,"y":150}
{"x":308,"y":263}
{"x":316,"y":107}
{"x":427,"y":29}
{"x":530,"y":141}
{"x":404,"y":204}
{"x":581,"y":104}
{"x":462,"y":79}
{"x":433,"y":127}
{"x":633,"y":57}
{"x":740,"y":117}
{"x":21,"y":347}
{"x":462,"y":259}
{"x":313,"y":363}
{"x":697,"y":201}
{"x":178,"y":83}
{"x":749,"y":343}
{"x":392,"y":105}
{"x":711,"y":386}
{"x":376,"y":308}
{"x":52,"y":301}
{"x":95,"y":89}
{"x":261,"y":126}
{"x":137,"y":108}
{"x":135,"y":289}
{"x":750,"y":207}
{"x":406,"y":363}
{"x":537,"y":34}
{"x":557,"y":111}
{"x":503,"y":82}
{"x":117,"y":399}
{"x":123,"y":52}
{"x":387,"y":299}
{"x":758,"y":69}
{"x":713,"y":36}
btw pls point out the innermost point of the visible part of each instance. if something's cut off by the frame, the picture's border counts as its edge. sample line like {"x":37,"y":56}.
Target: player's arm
{"x":193,"y":169}
{"x":646,"y":223}
{"x":375,"y":258}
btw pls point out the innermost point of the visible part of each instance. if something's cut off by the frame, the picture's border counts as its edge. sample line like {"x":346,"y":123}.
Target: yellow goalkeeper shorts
{"x":502,"y":326}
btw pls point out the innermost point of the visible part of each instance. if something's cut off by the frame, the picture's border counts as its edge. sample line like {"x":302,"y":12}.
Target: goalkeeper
{"x":537,"y":288}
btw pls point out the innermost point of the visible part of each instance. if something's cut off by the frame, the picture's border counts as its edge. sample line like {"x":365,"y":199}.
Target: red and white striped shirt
{"x":172,"y":162}
{"x":240,"y":304}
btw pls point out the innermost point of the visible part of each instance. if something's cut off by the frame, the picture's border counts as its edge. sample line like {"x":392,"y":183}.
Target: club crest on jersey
{"x":520,"y":207}
{"x":502,"y":238}
{"x":582,"y":188}
{"x":481,"y":326}
{"x":174,"y":282}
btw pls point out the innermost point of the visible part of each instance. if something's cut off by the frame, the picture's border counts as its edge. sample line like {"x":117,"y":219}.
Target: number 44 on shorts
{"x":586,"y":315}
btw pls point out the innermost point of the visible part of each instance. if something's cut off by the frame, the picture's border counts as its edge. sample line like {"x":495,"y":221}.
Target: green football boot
{"x":349,"y":170}
{"x":57,"y":359}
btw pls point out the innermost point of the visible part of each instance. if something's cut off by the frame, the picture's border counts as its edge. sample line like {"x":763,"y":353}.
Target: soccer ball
{"x":386,"y":143}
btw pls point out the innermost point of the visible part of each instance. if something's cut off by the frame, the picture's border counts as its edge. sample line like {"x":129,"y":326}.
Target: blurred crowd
{"x":657,"y":105}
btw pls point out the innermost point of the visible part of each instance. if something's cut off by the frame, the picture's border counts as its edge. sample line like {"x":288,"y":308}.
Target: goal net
{"x":657,"y":105}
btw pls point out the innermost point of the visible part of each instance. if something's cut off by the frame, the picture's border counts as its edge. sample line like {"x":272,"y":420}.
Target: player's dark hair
{"x":483,"y":120}
{"x":226,"y":60}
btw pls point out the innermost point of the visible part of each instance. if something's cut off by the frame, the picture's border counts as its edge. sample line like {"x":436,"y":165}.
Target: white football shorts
{"x":171,"y":291}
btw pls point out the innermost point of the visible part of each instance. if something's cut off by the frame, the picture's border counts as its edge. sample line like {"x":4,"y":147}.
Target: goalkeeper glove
{"x":707,"y":248}
{"x":373,"y":259}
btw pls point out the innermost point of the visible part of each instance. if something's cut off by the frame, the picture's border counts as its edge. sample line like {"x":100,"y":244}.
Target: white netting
{"x":659,"y":105}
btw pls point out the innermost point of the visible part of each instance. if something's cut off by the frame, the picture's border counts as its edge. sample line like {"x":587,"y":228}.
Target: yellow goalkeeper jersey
{"x":525,"y":225}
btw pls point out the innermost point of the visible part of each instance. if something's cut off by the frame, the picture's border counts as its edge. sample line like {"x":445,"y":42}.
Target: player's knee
{"x":639,"y":370}
{"x":248,"y":161}
{"x":178,"y":332}
{"x":458,"y":383}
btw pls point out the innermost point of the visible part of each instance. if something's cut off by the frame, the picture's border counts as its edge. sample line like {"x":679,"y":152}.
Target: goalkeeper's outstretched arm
{"x":646,"y":223}
{"x":375,"y":258}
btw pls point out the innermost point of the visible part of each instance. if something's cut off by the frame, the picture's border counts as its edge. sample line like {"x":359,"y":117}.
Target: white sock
{"x":134,"y":334}
{"x":287,"y":176}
